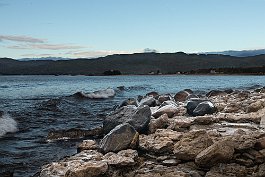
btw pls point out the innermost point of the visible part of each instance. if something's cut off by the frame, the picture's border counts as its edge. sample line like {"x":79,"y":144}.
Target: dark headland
{"x":138,"y":63}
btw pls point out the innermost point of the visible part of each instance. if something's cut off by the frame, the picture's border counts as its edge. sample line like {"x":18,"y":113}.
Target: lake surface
{"x":22,"y":99}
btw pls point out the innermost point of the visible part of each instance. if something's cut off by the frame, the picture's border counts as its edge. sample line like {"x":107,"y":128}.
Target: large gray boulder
{"x":181,"y":96}
{"x":149,"y":101}
{"x":122,"y":137}
{"x":139,"y":118}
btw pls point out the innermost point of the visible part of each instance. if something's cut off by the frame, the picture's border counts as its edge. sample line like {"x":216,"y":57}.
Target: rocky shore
{"x":219,"y":134}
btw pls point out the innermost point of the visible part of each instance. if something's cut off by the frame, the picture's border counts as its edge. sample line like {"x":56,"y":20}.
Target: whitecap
{"x":7,"y":125}
{"x":107,"y":93}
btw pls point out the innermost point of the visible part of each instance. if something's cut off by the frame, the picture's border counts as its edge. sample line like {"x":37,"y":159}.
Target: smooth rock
{"x":170,"y":110}
{"x":220,"y":151}
{"x":149,"y":101}
{"x":163,"y":98}
{"x":203,"y":108}
{"x":181,"y":96}
{"x":191,"y":144}
{"x":192,"y":104}
{"x":122,"y":137}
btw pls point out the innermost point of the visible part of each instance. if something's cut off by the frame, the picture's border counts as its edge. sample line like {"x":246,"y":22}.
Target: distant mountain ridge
{"x":239,"y":53}
{"x":138,"y":63}
{"x":45,"y":58}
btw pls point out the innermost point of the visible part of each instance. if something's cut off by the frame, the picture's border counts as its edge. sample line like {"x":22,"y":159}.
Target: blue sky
{"x":91,"y":28}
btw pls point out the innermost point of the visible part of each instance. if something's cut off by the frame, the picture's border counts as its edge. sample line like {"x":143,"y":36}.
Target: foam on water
{"x":7,"y":125}
{"x":101,"y":94}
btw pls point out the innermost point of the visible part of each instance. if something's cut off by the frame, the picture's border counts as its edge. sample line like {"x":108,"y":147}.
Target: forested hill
{"x":139,"y":63}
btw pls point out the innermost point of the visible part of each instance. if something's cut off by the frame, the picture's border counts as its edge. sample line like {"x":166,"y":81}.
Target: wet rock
{"x":149,"y":101}
{"x":225,"y":170}
{"x":191,"y":96}
{"x":191,"y":144}
{"x":121,"y":137}
{"x":203,"y":108}
{"x":189,"y":91}
{"x":161,"y":122}
{"x":121,"y":88}
{"x":51,"y":105}
{"x":87,"y":145}
{"x":221,"y":151}
{"x":129,"y":101}
{"x":192,"y":104}
{"x":123,"y":158}
{"x":163,"y":98}
{"x":139,"y":118}
{"x":170,"y":110}
{"x":1,"y":113}
{"x":229,"y":91}
{"x":181,"y":96}
{"x":153,"y":94}
{"x":74,"y":133}
{"x":216,"y":93}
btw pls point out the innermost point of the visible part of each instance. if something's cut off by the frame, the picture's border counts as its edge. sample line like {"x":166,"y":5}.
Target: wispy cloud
{"x":46,"y":46}
{"x":37,"y":55}
{"x":93,"y":54}
{"x":26,"y":39}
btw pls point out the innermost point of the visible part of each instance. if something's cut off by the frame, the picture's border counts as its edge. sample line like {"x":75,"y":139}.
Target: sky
{"x":92,"y":28}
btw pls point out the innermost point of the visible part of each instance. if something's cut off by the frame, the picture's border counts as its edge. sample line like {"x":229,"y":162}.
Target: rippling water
{"x":22,"y":99}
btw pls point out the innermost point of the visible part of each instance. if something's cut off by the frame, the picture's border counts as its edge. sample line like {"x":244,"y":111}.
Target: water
{"x":24,"y":101}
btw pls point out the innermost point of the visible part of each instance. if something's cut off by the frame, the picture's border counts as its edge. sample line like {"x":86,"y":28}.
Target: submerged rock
{"x":121,"y":137}
{"x":74,"y":133}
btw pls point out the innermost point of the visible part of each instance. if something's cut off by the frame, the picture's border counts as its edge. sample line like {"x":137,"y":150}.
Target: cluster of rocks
{"x":219,"y":134}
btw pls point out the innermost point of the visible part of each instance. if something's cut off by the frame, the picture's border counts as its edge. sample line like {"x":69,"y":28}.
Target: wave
{"x":7,"y":125}
{"x":100,"y":94}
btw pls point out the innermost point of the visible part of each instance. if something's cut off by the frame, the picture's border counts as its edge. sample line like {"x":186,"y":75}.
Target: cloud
{"x":148,"y":50}
{"x":26,"y":39}
{"x":46,"y":46}
{"x":94,"y":54}
{"x":37,"y":55}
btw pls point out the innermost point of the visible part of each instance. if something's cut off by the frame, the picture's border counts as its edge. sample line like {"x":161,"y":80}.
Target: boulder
{"x":129,"y":101}
{"x":181,"y":96}
{"x":149,"y":101}
{"x":122,"y":137}
{"x":216,"y":93}
{"x":163,"y":98}
{"x":191,"y":144}
{"x":153,"y":94}
{"x":170,"y":110}
{"x":123,"y":158}
{"x":192,"y":104}
{"x":221,"y":151}
{"x":191,"y":96}
{"x":161,"y":122}
{"x":169,"y":102}
{"x":161,"y":142}
{"x":203,"y":108}
{"x":139,"y":118}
